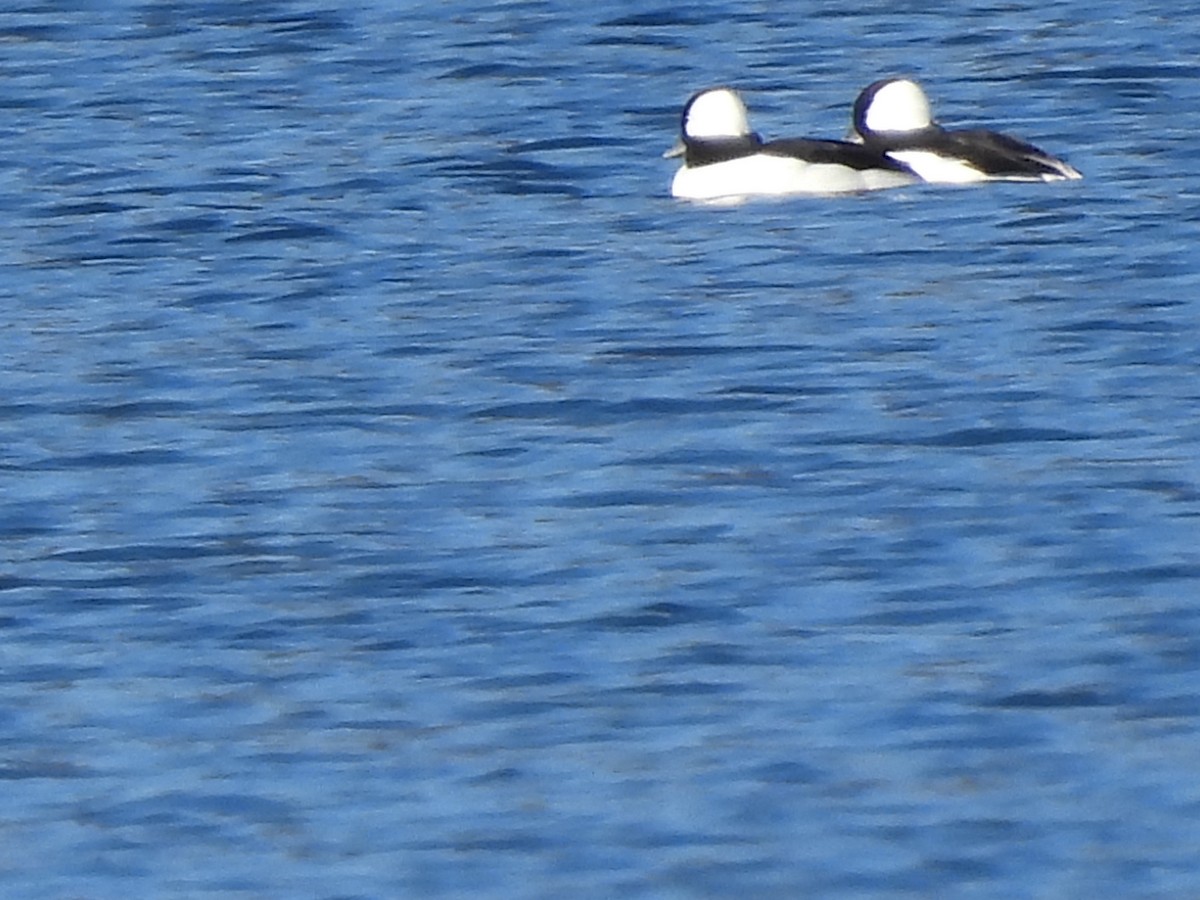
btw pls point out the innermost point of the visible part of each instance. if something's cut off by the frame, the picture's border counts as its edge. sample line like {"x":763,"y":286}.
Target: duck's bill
{"x":678,"y":150}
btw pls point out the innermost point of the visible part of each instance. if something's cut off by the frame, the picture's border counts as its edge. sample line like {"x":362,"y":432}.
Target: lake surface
{"x":403,"y":496}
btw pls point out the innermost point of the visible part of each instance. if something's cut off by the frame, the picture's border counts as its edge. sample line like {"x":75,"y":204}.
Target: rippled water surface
{"x":404,"y":497}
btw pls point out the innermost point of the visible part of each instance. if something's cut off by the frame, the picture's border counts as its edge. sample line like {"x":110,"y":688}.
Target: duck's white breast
{"x":934,"y":167}
{"x":767,"y":175}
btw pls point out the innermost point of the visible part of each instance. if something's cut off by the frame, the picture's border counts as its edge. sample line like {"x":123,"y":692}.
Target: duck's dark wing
{"x":994,"y":154}
{"x":1004,"y":155}
{"x":855,"y":156}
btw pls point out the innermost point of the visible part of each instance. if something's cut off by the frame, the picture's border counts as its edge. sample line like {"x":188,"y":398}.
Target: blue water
{"x":404,"y":497}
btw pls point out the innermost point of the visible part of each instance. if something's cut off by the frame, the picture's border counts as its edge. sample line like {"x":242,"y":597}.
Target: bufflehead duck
{"x":724,"y":159}
{"x":893,"y":116}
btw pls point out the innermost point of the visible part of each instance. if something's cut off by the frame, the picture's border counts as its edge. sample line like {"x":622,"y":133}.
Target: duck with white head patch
{"x":893,"y":116}
{"x":724,"y":160}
